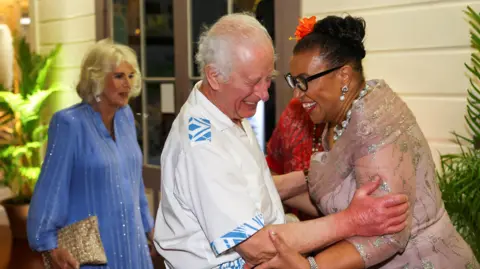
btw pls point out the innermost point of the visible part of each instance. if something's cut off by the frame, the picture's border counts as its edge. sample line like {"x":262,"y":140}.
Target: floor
{"x":23,"y":257}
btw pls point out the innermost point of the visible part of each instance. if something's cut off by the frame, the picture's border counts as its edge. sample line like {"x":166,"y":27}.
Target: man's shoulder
{"x":193,"y":128}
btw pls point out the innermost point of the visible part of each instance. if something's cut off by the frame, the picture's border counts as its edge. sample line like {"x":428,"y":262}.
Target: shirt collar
{"x":218,"y":118}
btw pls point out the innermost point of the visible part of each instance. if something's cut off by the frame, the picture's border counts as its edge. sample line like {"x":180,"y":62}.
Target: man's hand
{"x":370,"y":216}
{"x":151,"y":246}
{"x":257,"y":249}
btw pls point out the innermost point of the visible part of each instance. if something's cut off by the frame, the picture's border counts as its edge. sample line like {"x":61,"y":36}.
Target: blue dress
{"x":85,"y":172}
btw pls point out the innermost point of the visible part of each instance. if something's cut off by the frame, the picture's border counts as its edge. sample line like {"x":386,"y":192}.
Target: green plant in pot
{"x":459,"y":174}
{"x":22,"y":132}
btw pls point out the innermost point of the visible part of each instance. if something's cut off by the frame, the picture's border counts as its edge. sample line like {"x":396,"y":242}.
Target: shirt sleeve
{"x":219,"y":198}
{"x":147,"y":218}
{"x":394,"y":165}
{"x":49,"y":205}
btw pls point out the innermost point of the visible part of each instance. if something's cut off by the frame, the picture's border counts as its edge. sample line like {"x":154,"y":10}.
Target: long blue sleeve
{"x":145,"y":210}
{"x":49,"y":206}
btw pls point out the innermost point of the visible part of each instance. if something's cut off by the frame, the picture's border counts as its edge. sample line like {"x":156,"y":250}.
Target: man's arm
{"x":390,"y":213}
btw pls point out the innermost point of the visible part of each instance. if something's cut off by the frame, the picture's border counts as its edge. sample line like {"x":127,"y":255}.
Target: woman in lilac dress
{"x":370,"y":131}
{"x":93,"y":166}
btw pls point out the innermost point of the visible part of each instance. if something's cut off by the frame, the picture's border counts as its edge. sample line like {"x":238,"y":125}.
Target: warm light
{"x":25,"y":21}
{"x":137,"y":31}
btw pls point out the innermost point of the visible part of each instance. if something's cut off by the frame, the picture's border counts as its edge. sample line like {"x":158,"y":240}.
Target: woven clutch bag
{"x":82,"y":240}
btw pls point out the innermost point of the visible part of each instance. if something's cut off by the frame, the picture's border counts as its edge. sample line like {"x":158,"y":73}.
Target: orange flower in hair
{"x":305,"y":27}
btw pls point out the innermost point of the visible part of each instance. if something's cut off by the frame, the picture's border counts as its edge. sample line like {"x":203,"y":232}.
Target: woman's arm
{"x":395,"y":165}
{"x":147,"y":219}
{"x":357,"y":219}
{"x":145,"y":210}
{"x":303,"y":203}
{"x":290,"y":185}
{"x":49,"y":206}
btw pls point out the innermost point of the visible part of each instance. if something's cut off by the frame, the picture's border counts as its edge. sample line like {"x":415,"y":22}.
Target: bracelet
{"x":313,"y":263}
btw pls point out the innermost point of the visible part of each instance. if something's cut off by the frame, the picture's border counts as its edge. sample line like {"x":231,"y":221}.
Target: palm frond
{"x":22,"y":134}
{"x":459,"y":174}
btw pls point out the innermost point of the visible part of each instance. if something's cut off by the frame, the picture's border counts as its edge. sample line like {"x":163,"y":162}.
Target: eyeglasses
{"x":301,"y":81}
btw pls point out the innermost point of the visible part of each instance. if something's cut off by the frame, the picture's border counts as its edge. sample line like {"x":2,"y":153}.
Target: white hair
{"x":103,"y":58}
{"x":216,"y":45}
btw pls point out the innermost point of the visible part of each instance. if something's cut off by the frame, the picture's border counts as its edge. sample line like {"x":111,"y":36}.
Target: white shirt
{"x":217,"y":190}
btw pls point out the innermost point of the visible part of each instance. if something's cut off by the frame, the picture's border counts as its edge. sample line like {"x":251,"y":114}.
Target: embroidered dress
{"x":383,"y":138}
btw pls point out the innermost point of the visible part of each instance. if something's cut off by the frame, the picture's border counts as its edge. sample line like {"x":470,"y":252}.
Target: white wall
{"x":72,"y":24}
{"x":419,"y":47}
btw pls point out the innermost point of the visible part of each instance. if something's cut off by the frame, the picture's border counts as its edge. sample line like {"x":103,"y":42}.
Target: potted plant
{"x":459,"y":174}
{"x":22,"y":133}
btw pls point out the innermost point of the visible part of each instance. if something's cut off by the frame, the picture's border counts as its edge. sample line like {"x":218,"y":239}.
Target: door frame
{"x":285,"y":25}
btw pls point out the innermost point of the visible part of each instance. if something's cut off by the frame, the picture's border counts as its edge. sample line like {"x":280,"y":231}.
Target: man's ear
{"x":213,"y":76}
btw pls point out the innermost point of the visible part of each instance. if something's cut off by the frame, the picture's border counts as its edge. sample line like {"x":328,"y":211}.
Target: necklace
{"x":316,"y":140}
{"x":340,"y":128}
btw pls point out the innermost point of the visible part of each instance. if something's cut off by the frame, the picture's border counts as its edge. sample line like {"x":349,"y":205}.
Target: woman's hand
{"x":286,"y":257}
{"x":370,"y":216}
{"x":151,"y":246}
{"x":62,"y":259}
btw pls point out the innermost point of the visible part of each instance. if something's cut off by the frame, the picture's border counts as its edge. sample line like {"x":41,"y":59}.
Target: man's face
{"x":251,"y":76}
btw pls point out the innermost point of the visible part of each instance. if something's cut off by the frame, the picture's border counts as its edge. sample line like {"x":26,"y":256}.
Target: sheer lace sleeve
{"x":393,"y":163}
{"x":382,"y":139}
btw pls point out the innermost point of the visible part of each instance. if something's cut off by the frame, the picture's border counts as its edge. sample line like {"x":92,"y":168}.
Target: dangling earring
{"x":344,"y":91}
{"x":97,"y":98}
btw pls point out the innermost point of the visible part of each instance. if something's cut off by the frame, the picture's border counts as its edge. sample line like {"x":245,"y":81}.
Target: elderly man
{"x":217,"y":191}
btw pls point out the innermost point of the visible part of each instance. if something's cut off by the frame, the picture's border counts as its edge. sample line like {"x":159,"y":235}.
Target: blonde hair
{"x":103,"y":58}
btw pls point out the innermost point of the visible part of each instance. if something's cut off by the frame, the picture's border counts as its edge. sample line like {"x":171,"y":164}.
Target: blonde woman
{"x":93,"y":166}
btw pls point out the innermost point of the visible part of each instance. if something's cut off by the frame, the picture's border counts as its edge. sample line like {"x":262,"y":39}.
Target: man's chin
{"x":249,"y":114}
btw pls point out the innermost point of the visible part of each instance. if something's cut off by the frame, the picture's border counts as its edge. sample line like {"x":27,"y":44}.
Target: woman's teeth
{"x":308,"y":105}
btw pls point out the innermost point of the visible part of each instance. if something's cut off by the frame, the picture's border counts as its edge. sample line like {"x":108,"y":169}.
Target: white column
{"x":72,"y":24}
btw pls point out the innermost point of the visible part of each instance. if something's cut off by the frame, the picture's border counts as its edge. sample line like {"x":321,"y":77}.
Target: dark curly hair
{"x":340,"y":41}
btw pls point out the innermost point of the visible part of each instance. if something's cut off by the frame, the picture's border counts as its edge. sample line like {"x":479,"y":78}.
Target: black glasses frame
{"x":301,"y":81}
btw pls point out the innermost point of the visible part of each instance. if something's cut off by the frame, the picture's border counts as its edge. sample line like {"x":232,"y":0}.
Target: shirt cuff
{"x":238,"y":235}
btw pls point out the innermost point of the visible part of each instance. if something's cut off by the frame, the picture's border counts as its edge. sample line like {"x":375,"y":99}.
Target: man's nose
{"x":262,"y":91}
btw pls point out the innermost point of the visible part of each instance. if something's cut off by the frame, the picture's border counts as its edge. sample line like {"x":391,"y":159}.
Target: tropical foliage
{"x":459,"y":174}
{"x":22,"y":134}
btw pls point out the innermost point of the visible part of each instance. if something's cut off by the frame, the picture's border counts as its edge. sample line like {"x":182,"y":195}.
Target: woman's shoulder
{"x":71,"y":114}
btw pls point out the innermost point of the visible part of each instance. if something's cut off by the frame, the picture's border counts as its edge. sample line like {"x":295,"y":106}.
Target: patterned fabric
{"x":236,"y":264}
{"x":238,"y":235}
{"x":87,"y":173}
{"x":383,"y":138}
{"x":214,"y":194}
{"x":290,"y":147}
{"x":199,"y":130}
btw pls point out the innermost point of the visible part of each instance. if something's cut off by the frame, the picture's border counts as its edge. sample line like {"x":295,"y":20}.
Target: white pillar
{"x":72,"y":24}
